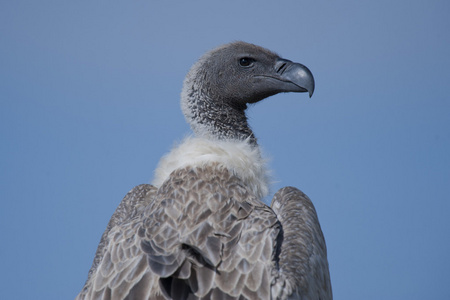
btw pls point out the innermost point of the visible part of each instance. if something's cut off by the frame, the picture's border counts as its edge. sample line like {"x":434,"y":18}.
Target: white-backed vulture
{"x":201,"y":230}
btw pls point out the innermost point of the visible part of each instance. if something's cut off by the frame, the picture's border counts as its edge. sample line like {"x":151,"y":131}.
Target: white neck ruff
{"x":239,"y":157}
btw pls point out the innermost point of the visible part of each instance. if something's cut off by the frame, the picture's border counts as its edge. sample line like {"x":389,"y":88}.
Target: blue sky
{"x":89,"y":102}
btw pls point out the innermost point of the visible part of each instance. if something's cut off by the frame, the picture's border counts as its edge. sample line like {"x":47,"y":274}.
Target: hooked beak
{"x":297,"y":77}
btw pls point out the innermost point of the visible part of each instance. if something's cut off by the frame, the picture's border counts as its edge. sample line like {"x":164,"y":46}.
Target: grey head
{"x":222,"y":82}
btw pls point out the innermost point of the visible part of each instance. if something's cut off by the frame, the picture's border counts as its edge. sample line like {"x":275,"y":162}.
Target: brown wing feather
{"x":203,"y":235}
{"x":119,"y":266}
{"x":303,"y":256}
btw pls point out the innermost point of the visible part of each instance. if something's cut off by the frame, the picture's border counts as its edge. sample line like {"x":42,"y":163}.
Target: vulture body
{"x":201,"y":231}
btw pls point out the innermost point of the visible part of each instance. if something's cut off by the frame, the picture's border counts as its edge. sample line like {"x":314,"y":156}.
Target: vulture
{"x":201,"y":229}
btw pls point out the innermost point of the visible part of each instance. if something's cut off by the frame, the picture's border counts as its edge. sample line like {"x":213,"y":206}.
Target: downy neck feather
{"x":238,"y":156}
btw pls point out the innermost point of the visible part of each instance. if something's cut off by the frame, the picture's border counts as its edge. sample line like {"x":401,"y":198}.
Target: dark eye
{"x":246,"y":61}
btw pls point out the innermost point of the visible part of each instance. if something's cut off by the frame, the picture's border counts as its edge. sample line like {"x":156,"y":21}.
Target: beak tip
{"x":311,"y":92}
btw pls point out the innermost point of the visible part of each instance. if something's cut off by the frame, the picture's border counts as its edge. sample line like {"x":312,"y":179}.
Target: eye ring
{"x":246,"y":61}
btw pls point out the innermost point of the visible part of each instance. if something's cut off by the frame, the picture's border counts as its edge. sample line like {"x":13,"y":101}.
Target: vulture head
{"x":222,"y":82}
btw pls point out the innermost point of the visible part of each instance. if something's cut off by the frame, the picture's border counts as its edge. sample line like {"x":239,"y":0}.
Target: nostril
{"x":281,"y":68}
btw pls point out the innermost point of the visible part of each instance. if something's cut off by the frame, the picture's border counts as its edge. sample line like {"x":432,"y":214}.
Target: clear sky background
{"x":89,"y":95}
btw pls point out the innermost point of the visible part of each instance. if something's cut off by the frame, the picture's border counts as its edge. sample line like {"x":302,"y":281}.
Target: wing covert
{"x":303,"y":253}
{"x":118,"y":268}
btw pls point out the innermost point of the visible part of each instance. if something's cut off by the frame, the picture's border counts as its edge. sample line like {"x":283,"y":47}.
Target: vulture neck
{"x":214,"y":118}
